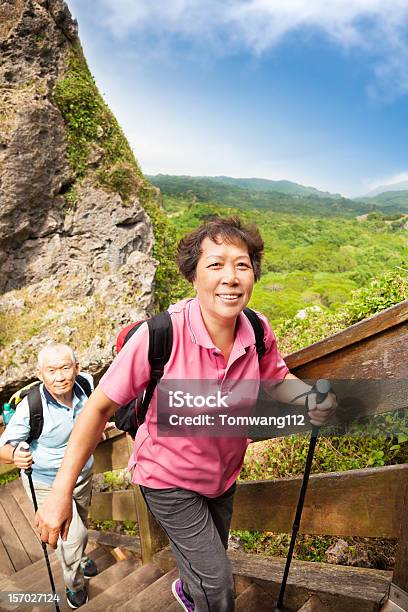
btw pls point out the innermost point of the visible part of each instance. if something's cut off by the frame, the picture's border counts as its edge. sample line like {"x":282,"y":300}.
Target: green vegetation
{"x":128,"y":528}
{"x":279,"y":196}
{"x":314,"y":262}
{"x":9,"y":477}
{"x":381,"y":293}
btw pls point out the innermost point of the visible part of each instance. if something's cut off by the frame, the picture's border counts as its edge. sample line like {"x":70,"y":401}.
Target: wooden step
{"x":115,"y":540}
{"x":22,"y":528}
{"x":12,"y":543}
{"x":254,"y":599}
{"x":124,"y":590}
{"x":165,"y":560}
{"x":25,"y":504}
{"x":338,"y":587}
{"x":314,"y":604}
{"x":154,"y":598}
{"x":28,"y":573}
{"x":35,"y":579}
{"x":40,"y":581}
{"x":112,"y":576}
{"x":36,"y":572}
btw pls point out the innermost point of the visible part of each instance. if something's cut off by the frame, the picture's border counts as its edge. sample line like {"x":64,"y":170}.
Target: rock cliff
{"x":76,"y":236}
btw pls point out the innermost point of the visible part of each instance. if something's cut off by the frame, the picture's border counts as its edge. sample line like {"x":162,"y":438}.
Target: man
{"x":62,"y":400}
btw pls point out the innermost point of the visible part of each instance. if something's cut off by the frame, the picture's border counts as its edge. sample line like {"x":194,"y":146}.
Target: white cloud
{"x":386,"y":180}
{"x":377,"y":27}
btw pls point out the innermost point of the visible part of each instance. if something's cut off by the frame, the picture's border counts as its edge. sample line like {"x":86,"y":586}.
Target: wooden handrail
{"x":391,"y":317}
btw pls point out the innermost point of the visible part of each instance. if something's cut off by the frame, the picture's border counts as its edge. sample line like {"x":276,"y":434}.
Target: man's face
{"x":58,"y":373}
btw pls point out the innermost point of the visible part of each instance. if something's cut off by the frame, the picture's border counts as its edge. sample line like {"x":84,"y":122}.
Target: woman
{"x":189,"y":482}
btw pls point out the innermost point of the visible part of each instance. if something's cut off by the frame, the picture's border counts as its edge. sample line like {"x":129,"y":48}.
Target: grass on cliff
{"x":94,"y":133}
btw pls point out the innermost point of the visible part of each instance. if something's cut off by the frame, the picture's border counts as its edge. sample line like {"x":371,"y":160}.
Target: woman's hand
{"x":54,"y":518}
{"x":319,"y":414}
{"x":22,"y":457}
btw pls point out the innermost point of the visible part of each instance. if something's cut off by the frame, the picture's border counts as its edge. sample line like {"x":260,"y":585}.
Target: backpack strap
{"x":160,"y":345}
{"x":84,"y":384}
{"x":36,"y":413}
{"x":132,"y":330}
{"x":258,"y":331}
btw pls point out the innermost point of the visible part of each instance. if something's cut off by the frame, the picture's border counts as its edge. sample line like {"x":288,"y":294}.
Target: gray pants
{"x":197,"y":528}
{"x":71,"y":554}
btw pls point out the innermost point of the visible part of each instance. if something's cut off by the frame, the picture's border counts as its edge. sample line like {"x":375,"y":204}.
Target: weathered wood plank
{"x":6,"y":566}
{"x":152,"y":536}
{"x":113,"y":453}
{"x":128,"y":588}
{"x":387,"y":319}
{"x":117,"y":506}
{"x":340,"y":588}
{"x":357,"y":399}
{"x":400,"y":575}
{"x":154,"y":598}
{"x":365,"y":503}
{"x":314,"y":604}
{"x":115,"y":540}
{"x":378,"y":356}
{"x":12,"y":543}
{"x":254,"y":599}
{"x":25,"y":504}
{"x":29,"y":540}
{"x":111,"y":576}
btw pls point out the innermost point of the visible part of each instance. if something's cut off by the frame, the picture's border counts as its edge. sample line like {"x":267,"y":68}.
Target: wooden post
{"x":399,"y":585}
{"x":152,"y":536}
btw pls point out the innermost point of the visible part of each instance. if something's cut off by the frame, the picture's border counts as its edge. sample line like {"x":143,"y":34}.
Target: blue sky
{"x":313,"y":91}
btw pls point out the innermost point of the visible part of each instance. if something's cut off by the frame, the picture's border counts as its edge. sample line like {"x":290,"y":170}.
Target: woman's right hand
{"x":53,"y":517}
{"x":22,"y":456}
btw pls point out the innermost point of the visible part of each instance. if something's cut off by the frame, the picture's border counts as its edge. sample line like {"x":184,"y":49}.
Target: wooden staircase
{"x":127,"y":585}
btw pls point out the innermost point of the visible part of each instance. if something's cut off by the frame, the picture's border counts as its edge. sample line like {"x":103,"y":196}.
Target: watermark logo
{"x":180,"y":399}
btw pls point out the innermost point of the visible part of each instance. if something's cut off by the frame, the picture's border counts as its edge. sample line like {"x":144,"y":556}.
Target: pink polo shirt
{"x":206,"y":465}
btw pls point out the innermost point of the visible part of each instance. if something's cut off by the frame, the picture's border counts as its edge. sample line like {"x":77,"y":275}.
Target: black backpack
{"x":32,"y":392}
{"x":129,"y":417}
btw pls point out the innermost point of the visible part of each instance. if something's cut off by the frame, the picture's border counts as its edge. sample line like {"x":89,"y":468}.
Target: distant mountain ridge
{"x":260,"y":184}
{"x":254,"y":184}
{"x":280,"y":196}
{"x":381,"y":189}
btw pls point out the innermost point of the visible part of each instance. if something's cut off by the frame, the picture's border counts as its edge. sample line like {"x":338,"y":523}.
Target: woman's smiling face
{"x":224,"y":278}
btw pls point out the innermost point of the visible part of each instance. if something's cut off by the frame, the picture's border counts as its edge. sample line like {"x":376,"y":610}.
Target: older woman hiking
{"x":189,"y":482}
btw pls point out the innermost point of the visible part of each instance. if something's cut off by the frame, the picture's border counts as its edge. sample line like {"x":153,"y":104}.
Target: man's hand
{"x":319,"y":414}
{"x":53,"y":518}
{"x":22,"y":457}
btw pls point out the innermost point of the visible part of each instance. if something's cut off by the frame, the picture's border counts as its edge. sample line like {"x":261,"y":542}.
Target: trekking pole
{"x":321,"y":388}
{"x":29,"y":472}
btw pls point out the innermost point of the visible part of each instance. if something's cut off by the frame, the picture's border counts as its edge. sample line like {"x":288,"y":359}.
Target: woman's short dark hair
{"x":226,"y":229}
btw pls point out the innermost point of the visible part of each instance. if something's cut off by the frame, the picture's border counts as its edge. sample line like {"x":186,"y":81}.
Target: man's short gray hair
{"x":57,"y":348}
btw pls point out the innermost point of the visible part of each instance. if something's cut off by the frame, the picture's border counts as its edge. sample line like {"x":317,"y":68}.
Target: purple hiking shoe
{"x":177,"y":590}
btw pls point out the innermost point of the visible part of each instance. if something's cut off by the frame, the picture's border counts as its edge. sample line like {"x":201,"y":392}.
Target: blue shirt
{"x":48,"y":451}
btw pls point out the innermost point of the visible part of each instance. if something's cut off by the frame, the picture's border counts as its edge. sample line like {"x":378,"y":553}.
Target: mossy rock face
{"x":82,"y":231}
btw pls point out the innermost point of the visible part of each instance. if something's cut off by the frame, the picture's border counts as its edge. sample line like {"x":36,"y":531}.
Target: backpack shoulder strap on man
{"x":258,"y":331}
{"x":35,"y":407}
{"x":36,"y":413}
{"x":160,"y":345}
{"x":84,"y":384}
